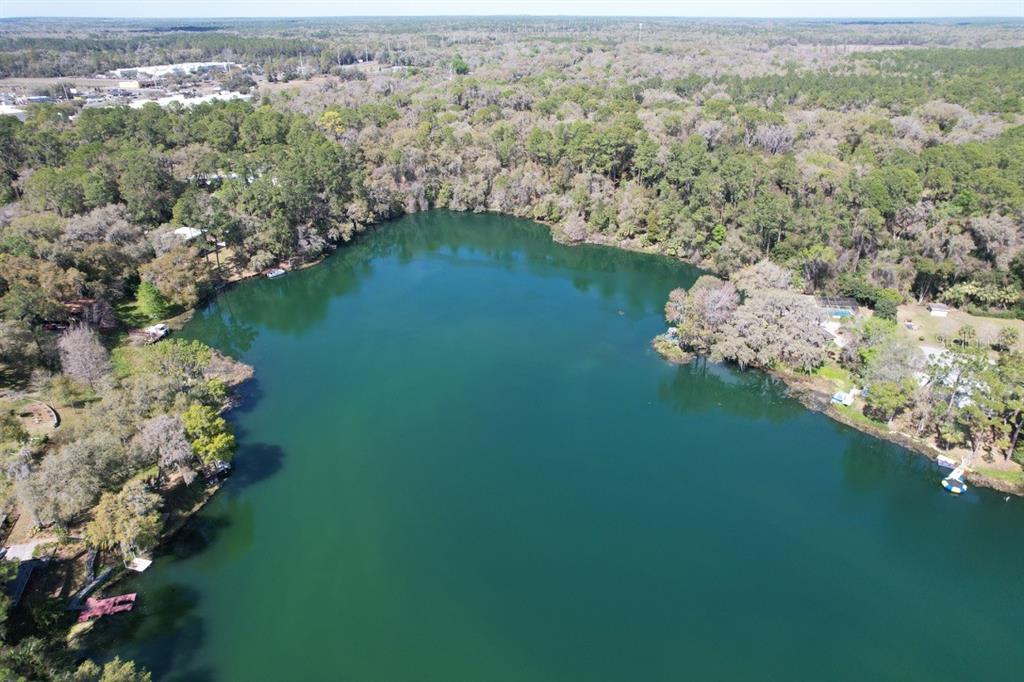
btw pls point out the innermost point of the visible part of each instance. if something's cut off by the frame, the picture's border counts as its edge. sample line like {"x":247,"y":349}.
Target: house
{"x":938,"y":309}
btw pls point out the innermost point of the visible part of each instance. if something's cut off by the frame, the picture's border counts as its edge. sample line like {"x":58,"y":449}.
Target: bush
{"x":151,"y":302}
{"x":886,"y":303}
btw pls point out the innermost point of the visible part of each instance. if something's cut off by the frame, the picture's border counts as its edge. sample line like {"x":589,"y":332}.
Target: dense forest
{"x":882,"y":162}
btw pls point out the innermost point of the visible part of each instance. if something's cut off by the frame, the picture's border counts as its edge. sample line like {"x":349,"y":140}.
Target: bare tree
{"x":162,"y":438}
{"x":773,"y":327}
{"x":762,"y":275}
{"x":702,"y":312}
{"x":82,"y":356}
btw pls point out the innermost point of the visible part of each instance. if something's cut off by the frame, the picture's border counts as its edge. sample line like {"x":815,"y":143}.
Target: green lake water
{"x":460,"y":460}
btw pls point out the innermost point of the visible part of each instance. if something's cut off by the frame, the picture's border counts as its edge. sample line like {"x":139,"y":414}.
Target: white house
{"x":938,"y":309}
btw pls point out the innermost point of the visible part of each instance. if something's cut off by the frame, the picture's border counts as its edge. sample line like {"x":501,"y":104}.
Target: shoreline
{"x":808,"y":391}
{"x":801,"y":387}
{"x":816,"y":400}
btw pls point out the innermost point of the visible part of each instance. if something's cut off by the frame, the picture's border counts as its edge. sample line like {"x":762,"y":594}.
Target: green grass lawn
{"x":854,"y":413}
{"x":933,"y":329}
{"x":842,"y":378}
{"x":1015,"y":477}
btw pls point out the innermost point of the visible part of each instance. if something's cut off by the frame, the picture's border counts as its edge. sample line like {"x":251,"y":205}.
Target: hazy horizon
{"x":702,"y":9}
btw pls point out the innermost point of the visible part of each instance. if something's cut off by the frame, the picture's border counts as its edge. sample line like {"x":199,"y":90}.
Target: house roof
{"x":188,"y":233}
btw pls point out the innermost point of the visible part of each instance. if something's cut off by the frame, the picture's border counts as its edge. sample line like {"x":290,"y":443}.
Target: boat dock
{"x":97,"y":608}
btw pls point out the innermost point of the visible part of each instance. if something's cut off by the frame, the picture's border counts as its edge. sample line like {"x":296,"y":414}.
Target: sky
{"x":692,"y":8}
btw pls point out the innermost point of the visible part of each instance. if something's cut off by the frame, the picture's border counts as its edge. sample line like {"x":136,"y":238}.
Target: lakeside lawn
{"x":933,"y":331}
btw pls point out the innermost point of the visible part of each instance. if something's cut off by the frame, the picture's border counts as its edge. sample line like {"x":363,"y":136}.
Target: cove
{"x":460,"y":460}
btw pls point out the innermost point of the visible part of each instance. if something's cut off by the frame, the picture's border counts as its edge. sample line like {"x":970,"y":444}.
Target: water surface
{"x":461,"y":461}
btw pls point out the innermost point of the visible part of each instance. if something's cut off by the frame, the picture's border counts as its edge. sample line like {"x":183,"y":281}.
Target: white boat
{"x":275,"y":273}
{"x":157,"y":331}
{"x":946,"y":462}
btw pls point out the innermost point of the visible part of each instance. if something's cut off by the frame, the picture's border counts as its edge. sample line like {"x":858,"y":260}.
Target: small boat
{"x":945,"y":462}
{"x":275,"y":273}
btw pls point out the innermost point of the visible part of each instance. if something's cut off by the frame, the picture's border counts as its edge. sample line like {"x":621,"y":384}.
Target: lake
{"x":460,"y":460}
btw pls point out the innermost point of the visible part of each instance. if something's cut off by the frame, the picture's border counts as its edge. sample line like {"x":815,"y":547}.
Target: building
{"x":938,"y":309}
{"x":11,"y":110}
{"x":838,"y":307}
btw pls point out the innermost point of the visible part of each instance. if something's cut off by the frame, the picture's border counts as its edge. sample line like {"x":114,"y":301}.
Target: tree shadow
{"x":195,"y":675}
{"x":195,"y":537}
{"x":162,"y":634}
{"x":255,"y":462}
{"x":247,"y":396}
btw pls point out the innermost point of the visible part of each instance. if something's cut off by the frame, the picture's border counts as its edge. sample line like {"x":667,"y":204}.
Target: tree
{"x":11,"y":430}
{"x":82,"y":356}
{"x":211,"y":439}
{"x":146,"y":186}
{"x":18,"y":349}
{"x":886,"y":399}
{"x":762,"y":275}
{"x":887,"y":302}
{"x":127,"y":520}
{"x":181,"y":276}
{"x":880,"y":355}
{"x":162,"y":439}
{"x":773,"y":327}
{"x":184,"y":362}
{"x":702,"y":312}
{"x":68,"y":481}
{"x":459,"y":65}
{"x":1003,"y":400}
{"x":8,"y":571}
{"x":1007,"y":339}
{"x":151,"y":302}
{"x":114,"y":670}
{"x":966,"y":335}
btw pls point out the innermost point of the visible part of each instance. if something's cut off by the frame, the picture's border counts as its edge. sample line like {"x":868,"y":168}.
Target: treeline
{"x":47,"y":56}
{"x":722,"y":187}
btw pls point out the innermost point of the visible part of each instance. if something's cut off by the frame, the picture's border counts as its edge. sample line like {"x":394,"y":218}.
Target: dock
{"x":97,"y":608}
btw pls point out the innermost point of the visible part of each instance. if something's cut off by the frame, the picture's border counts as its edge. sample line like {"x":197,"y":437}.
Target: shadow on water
{"x":247,"y":397}
{"x":166,"y":631}
{"x":703,"y":386}
{"x":195,"y":537}
{"x":254,"y":463}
